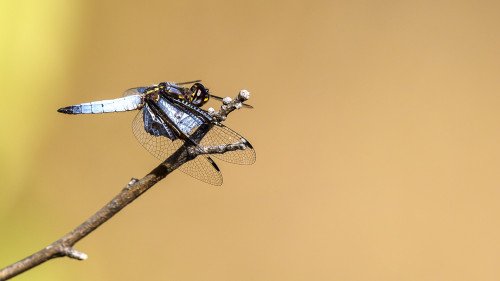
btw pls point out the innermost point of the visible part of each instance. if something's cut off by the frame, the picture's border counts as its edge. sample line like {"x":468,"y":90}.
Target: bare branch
{"x":64,"y":246}
{"x":217,"y":149}
{"x":229,"y":105}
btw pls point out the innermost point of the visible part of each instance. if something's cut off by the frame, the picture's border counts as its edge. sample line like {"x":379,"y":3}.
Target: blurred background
{"x":376,"y":126}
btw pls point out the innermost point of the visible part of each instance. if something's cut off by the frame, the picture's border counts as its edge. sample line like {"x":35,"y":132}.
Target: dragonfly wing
{"x":152,"y":133}
{"x":203,"y":168}
{"x":220,"y":134}
{"x":155,"y":126}
{"x":182,"y":119}
{"x":134,"y":91}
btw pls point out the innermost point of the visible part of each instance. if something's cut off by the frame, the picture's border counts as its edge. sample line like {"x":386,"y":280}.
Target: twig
{"x":64,"y":246}
{"x":229,"y":105}
{"x":218,"y":149}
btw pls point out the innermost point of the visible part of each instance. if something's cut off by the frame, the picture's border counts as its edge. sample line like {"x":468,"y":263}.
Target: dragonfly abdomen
{"x":117,"y":105}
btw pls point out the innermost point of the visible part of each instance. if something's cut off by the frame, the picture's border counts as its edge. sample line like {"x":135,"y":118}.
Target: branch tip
{"x":244,"y":95}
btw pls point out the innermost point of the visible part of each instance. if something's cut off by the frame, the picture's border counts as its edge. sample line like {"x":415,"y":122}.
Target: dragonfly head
{"x":199,"y":95}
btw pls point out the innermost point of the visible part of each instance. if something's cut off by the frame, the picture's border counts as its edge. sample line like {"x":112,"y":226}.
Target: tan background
{"x":376,"y":126}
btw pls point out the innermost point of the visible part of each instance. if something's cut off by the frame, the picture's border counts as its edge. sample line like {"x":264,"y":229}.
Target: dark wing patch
{"x":161,"y":146}
{"x":155,"y":125}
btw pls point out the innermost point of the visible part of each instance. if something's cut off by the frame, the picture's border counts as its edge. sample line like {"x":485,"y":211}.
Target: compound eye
{"x":199,"y":95}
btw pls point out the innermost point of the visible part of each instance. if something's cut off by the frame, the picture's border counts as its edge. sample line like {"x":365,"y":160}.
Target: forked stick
{"x":64,"y":246}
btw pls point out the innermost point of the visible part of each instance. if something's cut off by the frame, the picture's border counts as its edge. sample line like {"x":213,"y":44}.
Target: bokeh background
{"x":376,"y":126}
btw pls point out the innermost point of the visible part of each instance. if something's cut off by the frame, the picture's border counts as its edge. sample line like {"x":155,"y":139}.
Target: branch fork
{"x":71,"y":253}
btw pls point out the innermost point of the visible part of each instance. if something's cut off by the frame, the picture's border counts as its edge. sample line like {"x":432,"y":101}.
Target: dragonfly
{"x":169,"y":116}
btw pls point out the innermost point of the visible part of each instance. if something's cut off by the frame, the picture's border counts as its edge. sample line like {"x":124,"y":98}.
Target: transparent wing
{"x":134,"y":91}
{"x":220,"y":134}
{"x":202,"y":167}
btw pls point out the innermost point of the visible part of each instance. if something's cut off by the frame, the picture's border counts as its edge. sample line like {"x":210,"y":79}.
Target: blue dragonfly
{"x":169,"y":115}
